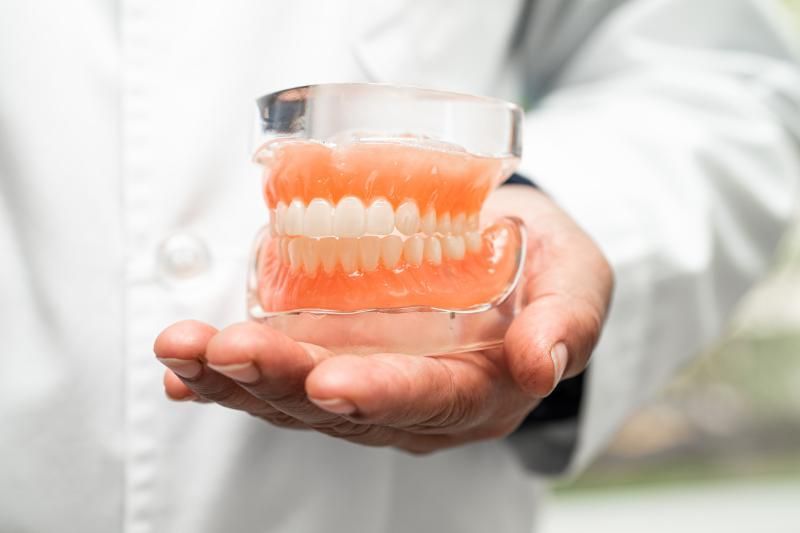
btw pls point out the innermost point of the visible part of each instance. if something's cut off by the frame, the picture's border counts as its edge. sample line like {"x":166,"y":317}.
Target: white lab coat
{"x":669,"y":129}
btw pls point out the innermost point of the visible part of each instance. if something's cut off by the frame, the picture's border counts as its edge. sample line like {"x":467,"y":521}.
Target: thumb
{"x":568,"y":290}
{"x":551,"y":339}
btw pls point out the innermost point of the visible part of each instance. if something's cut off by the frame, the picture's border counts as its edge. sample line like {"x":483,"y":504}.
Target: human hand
{"x":418,"y":404}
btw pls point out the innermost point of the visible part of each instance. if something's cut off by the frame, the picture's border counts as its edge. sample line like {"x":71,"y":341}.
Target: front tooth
{"x":453,"y":246}
{"x":433,"y":250}
{"x":369,"y":249}
{"x":472,"y":239}
{"x":391,"y":250}
{"x":407,"y":218}
{"x":280,"y":217}
{"x":348,"y":220}
{"x":318,"y":219}
{"x":473,"y":222}
{"x":459,"y":223}
{"x":380,"y":217}
{"x":413,"y":250}
{"x":310,"y":256}
{"x":295,"y":254}
{"x":293,"y":222}
{"x":348,"y":255}
{"x":327,"y":254}
{"x":444,"y":224}
{"x":428,"y":224}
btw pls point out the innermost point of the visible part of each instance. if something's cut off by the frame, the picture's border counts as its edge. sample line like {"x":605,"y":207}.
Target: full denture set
{"x":376,"y":240}
{"x":380,"y":225}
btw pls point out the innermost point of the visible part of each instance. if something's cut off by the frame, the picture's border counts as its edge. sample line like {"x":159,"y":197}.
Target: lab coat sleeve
{"x":673,"y":138}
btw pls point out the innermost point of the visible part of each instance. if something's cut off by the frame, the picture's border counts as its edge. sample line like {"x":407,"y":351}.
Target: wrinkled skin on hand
{"x":418,"y":404}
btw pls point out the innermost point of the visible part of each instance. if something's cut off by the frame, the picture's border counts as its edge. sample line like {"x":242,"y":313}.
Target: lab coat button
{"x":183,"y":256}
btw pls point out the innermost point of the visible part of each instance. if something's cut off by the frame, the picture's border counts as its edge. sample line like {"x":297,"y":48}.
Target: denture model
{"x":375,"y":241}
{"x":367,"y":232}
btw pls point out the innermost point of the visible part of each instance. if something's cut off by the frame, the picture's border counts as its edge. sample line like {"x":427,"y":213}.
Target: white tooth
{"x":413,"y":250}
{"x":391,"y":250}
{"x":295,"y":253}
{"x":310,"y":256}
{"x":273,"y":230}
{"x":348,"y":220}
{"x":428,"y":224}
{"x":433,"y":250}
{"x":327,"y":254}
{"x":459,"y":223}
{"x":453,"y":246}
{"x":348,"y":254}
{"x":380,"y":217}
{"x":293,"y":222}
{"x":284,"y":247}
{"x":407,"y":218}
{"x":472,"y":240}
{"x":369,"y":249}
{"x":318,"y":219}
{"x":473,"y":222}
{"x":444,"y":224}
{"x":280,"y":218}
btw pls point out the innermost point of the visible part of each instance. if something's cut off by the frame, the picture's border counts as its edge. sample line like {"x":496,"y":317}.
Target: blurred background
{"x":719,"y":450}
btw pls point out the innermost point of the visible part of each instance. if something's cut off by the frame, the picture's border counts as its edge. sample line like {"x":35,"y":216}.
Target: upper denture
{"x":364,"y":206}
{"x":445,"y":181}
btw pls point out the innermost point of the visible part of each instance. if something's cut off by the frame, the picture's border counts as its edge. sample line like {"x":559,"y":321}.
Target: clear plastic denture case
{"x":375,"y":240}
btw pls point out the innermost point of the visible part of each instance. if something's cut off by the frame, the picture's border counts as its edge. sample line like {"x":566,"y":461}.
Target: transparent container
{"x":375,"y":241}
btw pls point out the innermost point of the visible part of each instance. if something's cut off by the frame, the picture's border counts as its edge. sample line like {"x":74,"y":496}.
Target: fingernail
{"x":244,"y":372}
{"x":559,"y":356}
{"x":187,"y":398}
{"x":336,"y":406}
{"x":185,"y":368}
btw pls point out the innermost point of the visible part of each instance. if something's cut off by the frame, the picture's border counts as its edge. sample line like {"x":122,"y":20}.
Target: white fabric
{"x":669,"y":135}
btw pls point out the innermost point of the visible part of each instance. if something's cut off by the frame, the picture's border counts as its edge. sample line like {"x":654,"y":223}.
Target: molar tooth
{"x":428,"y":224}
{"x":348,"y":254}
{"x":453,"y":246}
{"x":380,"y":217}
{"x":369,"y":249}
{"x":273,"y":230}
{"x":459,"y":223}
{"x":444,"y":224}
{"x":433,"y":250}
{"x":280,"y":218}
{"x":327,"y":254}
{"x":472,"y":239}
{"x":391,"y":250}
{"x":318,"y":218}
{"x":473,"y":222}
{"x":284,"y":250}
{"x":348,"y":219}
{"x":293,"y":222}
{"x":413,"y":250}
{"x":295,"y":254}
{"x":407,"y":218}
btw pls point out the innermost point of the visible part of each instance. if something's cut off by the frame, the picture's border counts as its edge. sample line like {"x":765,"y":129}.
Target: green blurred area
{"x":793,"y":7}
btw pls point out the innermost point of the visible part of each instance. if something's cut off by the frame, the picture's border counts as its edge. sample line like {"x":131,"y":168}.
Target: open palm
{"x":419,"y":404}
